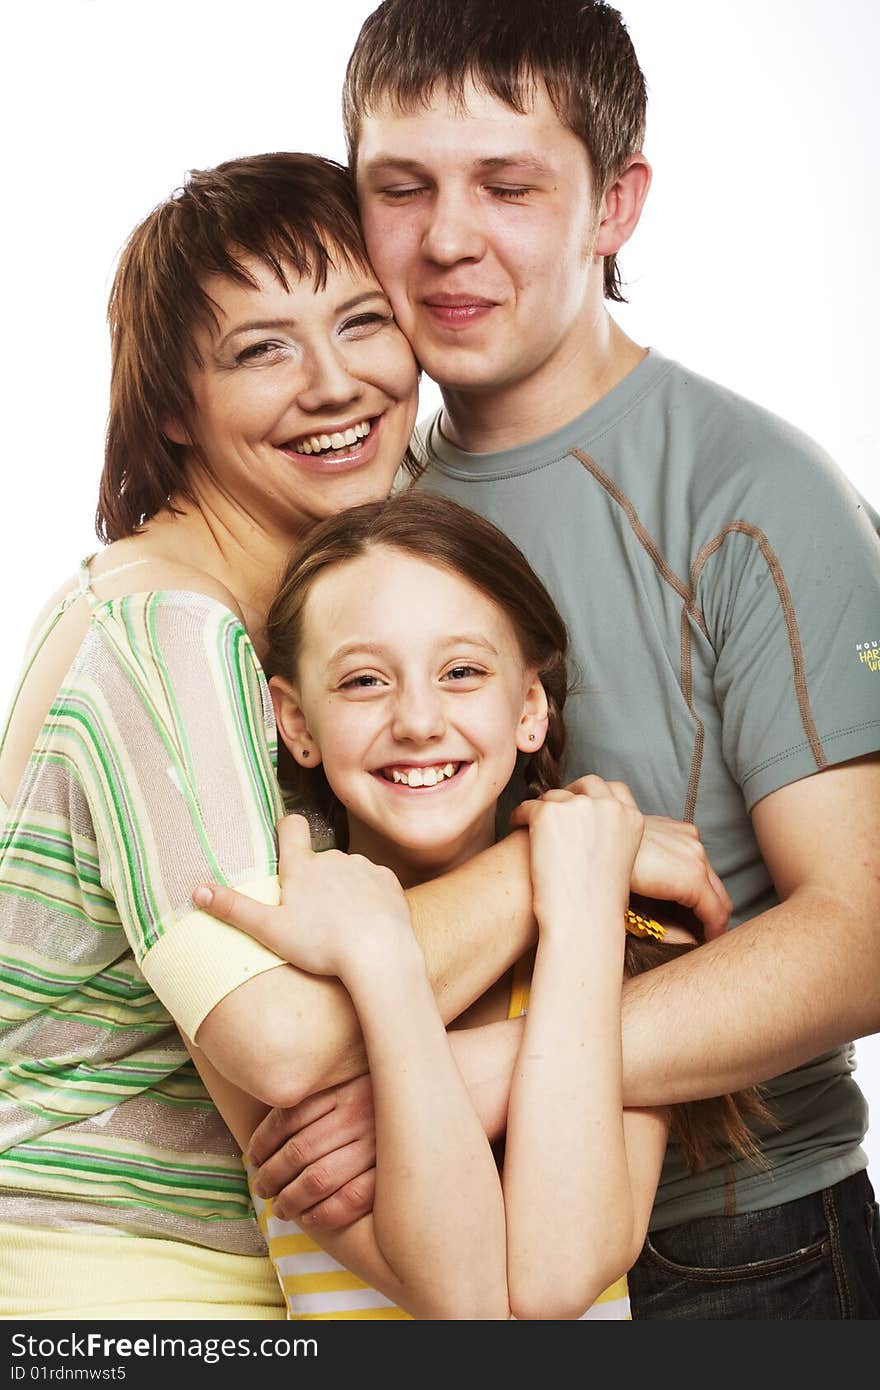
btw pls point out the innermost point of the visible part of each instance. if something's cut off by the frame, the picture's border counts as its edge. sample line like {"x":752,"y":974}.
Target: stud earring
{"x":305,"y":752}
{"x":531,"y":738}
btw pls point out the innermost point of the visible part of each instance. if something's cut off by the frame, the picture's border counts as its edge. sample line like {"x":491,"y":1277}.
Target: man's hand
{"x":317,"y":1159}
{"x":671,"y":863}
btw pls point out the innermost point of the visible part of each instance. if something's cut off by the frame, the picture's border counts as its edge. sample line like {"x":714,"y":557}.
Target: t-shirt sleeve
{"x":790,"y":592}
{"x":168,"y":722}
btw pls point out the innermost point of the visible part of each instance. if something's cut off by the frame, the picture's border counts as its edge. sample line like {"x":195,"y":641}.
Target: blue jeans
{"x":817,"y":1257}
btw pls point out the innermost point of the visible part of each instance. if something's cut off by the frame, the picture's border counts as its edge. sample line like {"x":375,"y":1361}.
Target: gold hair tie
{"x":637,"y":925}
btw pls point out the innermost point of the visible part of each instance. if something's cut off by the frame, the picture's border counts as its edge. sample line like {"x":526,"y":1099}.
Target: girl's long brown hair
{"x":436,"y":529}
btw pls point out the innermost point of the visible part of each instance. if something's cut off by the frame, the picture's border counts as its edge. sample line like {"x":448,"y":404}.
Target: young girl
{"x":415,"y":657}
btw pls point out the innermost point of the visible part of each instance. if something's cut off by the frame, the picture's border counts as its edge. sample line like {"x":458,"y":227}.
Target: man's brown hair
{"x":296,"y":213}
{"x":579,"y":49}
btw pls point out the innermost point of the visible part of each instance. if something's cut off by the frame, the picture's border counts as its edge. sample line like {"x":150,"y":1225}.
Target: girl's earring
{"x":531,"y":738}
{"x":305,"y":752}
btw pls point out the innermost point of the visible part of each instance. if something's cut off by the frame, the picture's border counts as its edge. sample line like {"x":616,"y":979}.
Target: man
{"x":719,"y":579}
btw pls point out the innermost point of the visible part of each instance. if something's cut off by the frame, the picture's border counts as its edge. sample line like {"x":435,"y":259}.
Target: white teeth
{"x":316,"y":443}
{"x":423,"y":776}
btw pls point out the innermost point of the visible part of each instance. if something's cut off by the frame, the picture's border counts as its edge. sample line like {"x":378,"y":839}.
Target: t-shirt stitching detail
{"x":777,"y":574}
{"x":805,"y":744}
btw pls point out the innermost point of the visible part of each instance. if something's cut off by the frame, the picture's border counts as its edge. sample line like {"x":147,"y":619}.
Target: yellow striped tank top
{"x":317,"y":1287}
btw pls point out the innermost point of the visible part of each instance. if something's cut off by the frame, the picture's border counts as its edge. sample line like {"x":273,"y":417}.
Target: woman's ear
{"x":532,"y":728}
{"x":622,"y":204}
{"x":291,"y":723}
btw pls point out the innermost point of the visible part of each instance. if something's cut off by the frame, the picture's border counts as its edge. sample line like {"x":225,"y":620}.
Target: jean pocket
{"x":692,"y":1265}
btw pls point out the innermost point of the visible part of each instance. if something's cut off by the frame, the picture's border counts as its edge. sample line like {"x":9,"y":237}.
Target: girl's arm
{"x":578,"y":1182}
{"x":435,"y":1241}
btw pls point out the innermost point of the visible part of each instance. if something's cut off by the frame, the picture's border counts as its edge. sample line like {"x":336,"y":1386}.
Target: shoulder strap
{"x":39,"y":637}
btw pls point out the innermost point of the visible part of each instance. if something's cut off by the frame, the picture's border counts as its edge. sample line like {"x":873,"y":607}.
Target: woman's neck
{"x":220,"y":539}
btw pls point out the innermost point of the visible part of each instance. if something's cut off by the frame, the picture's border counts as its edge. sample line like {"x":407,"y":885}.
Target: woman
{"x":405,"y":718}
{"x":259,"y":383}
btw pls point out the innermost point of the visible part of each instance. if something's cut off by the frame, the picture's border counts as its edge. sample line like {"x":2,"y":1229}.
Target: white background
{"x":755,"y":261}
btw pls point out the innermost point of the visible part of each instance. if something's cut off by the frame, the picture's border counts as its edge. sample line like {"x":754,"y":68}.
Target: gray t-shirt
{"x":720,"y":580}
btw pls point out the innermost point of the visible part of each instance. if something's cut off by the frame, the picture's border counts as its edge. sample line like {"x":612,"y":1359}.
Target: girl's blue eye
{"x":463,"y":672}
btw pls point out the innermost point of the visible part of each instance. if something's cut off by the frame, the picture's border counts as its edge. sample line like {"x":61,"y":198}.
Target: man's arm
{"x":791,"y":984}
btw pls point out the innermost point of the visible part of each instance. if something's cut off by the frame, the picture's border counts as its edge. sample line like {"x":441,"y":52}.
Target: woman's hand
{"x":335,"y":909}
{"x":582,"y":850}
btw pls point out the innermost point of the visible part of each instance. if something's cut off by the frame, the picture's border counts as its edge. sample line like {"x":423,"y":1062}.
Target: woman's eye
{"x":258,"y":352}
{"x":363,"y":324}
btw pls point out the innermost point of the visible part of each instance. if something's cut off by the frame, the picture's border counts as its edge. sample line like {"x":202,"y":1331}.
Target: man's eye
{"x":400,"y":195}
{"x":509,"y":191}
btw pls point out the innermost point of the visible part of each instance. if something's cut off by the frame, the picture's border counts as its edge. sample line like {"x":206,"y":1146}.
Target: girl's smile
{"x":412,"y":690}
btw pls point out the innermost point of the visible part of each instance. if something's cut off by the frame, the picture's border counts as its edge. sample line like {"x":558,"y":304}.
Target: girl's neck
{"x":413,"y":867}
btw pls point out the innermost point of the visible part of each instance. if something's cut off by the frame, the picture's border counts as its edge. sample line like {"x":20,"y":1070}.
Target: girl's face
{"x":305,"y":399}
{"x":413,"y":691}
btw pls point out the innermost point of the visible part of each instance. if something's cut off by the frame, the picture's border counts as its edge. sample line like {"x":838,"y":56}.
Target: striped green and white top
{"x":154,"y":770}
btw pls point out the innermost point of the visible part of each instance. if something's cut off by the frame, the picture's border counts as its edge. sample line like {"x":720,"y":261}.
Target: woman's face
{"x":415,"y":695}
{"x":305,"y":398}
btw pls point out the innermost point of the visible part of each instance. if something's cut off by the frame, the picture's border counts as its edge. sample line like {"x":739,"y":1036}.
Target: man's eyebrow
{"x":518,"y":159}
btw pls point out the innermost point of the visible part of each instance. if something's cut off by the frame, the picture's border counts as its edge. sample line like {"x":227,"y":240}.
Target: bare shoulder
{"x":121,"y":570}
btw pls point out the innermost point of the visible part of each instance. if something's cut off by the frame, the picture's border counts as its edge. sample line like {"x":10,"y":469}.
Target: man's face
{"x":480,"y":223}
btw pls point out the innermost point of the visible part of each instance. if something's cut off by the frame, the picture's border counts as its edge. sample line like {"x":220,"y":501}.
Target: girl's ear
{"x":532,"y":728}
{"x":176,"y":432}
{"x":292,"y":723}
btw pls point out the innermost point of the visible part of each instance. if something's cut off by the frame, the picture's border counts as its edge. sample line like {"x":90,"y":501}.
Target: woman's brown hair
{"x":444,"y":533}
{"x":297,"y":214}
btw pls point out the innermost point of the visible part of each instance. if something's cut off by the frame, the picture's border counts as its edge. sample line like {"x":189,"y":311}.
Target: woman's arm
{"x":576,"y":1207}
{"x":471,"y":923}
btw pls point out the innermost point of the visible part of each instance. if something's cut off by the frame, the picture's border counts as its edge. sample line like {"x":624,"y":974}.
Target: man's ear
{"x":292,"y":723}
{"x":532,"y":728}
{"x":176,"y":432}
{"x":622,"y":205}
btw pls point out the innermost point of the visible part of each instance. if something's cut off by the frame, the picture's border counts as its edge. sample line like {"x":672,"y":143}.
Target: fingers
{"x":596,"y":787}
{"x":349,"y":1204}
{"x":233,"y":907}
{"x":323,"y":1180}
{"x":228,"y":905}
{"x":714,"y":907}
{"x":294,"y":839}
{"x":278,"y":1126}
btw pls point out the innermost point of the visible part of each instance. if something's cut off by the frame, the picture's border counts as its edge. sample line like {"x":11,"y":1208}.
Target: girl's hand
{"x":672,"y":864}
{"x":336,"y":908}
{"x":582,"y":851}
